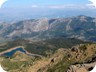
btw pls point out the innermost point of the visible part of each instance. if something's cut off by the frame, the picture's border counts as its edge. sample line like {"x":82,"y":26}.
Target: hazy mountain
{"x":81,"y":27}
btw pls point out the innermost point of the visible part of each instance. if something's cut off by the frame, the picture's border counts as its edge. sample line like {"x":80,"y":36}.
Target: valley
{"x":48,"y":45}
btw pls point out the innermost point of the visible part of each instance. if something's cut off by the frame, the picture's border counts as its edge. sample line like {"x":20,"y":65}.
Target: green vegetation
{"x":59,"y":61}
{"x":13,"y":65}
{"x":83,"y":47}
{"x":52,"y":45}
{"x":18,"y":61}
{"x":41,"y":47}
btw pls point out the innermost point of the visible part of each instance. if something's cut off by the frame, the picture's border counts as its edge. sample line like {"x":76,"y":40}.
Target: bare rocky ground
{"x":82,"y":67}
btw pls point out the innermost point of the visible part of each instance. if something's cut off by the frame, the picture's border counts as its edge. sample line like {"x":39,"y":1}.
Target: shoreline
{"x":26,"y":52}
{"x":11,"y":49}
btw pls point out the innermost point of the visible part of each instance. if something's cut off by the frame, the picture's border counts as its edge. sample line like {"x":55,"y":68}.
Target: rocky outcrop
{"x":85,"y":67}
{"x":76,"y":59}
{"x":82,"y":67}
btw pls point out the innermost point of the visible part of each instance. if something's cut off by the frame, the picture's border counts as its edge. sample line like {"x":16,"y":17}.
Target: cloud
{"x":35,"y":6}
{"x":56,"y":6}
{"x":1,"y":2}
{"x":70,"y":6}
{"x":65,"y":6}
{"x":93,"y":2}
{"x":91,"y":6}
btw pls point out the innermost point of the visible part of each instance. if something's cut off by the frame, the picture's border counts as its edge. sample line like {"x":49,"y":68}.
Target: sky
{"x":11,"y":9}
{"x":43,"y":3}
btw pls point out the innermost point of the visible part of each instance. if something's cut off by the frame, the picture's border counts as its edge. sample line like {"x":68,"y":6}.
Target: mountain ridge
{"x":81,"y":27}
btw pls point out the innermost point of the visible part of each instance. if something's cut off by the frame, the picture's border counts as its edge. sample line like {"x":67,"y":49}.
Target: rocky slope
{"x":76,"y":59}
{"x":82,"y":67}
{"x":81,"y":27}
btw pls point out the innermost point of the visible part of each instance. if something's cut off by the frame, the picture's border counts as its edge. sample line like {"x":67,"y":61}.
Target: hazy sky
{"x":44,"y":3}
{"x":46,"y":8}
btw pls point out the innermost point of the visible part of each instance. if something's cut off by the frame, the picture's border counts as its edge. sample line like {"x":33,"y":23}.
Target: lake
{"x":12,"y":52}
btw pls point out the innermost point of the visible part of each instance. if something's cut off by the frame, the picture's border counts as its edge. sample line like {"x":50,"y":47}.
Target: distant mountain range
{"x":17,"y":14}
{"x":81,"y":27}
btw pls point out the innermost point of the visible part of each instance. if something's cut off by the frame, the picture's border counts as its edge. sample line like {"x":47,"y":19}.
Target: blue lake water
{"x":11,"y":53}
